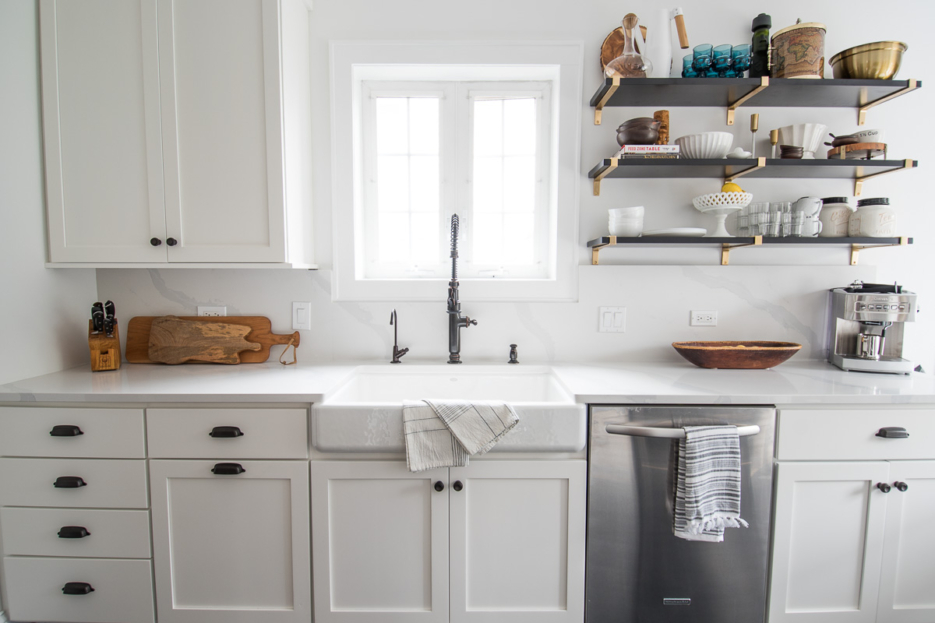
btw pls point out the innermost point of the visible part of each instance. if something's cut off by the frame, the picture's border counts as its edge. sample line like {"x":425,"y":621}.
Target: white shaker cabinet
{"x":177,"y":131}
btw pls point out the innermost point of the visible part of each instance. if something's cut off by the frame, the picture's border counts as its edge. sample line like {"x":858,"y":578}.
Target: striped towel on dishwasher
{"x":707,"y":492}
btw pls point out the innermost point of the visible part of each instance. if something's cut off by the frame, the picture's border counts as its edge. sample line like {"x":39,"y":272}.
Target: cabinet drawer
{"x":105,"y":433}
{"x":112,"y":533}
{"x":838,"y":434}
{"x":109,"y":484}
{"x":266,"y":433}
{"x":123,"y":590}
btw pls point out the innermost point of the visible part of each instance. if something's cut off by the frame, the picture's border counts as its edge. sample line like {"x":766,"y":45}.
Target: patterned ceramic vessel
{"x":798,"y":52}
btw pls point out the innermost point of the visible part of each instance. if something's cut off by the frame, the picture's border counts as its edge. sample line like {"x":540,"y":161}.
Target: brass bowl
{"x":871,"y":61}
{"x":744,"y":355}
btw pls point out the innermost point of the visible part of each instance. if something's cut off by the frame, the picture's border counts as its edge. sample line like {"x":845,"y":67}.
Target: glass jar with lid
{"x":835,"y":217}
{"x":874,"y":218}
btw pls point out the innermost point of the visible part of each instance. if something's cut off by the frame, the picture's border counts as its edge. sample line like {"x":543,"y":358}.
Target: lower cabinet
{"x":498,"y":541}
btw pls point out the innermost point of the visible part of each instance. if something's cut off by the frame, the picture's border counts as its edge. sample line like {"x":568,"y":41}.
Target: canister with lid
{"x":835,"y":216}
{"x":874,"y":218}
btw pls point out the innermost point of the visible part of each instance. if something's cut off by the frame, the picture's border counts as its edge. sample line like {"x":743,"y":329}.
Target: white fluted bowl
{"x":720,"y":205}
{"x":808,"y":136}
{"x":705,"y":146}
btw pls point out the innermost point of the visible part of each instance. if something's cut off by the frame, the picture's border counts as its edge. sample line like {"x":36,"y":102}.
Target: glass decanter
{"x":630,"y":64}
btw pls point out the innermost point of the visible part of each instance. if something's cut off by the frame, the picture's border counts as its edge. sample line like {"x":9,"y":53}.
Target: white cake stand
{"x":720,"y":206}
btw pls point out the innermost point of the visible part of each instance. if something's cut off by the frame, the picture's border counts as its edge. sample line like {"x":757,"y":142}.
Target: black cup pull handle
{"x":73,"y":532}
{"x":439,"y":485}
{"x":893,"y":432}
{"x":65,"y":430}
{"x":69,"y":482}
{"x":903,"y":487}
{"x":226,"y":431}
{"x":457,"y":486}
{"x":77,"y":588}
{"x":228,"y":469}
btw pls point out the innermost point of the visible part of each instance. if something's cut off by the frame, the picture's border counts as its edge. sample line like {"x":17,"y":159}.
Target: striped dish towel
{"x":442,"y":433}
{"x":707,"y":492}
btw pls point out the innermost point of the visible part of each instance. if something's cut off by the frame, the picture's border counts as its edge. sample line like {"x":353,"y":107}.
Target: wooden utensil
{"x":139,"y":329}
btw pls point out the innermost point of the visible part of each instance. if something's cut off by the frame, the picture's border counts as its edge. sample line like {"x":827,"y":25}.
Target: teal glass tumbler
{"x":687,"y":70}
{"x":740,"y":57}
{"x":722,"y":58}
{"x":702,"y":57}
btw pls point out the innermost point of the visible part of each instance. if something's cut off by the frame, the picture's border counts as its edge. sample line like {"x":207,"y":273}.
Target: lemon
{"x":731,"y":187}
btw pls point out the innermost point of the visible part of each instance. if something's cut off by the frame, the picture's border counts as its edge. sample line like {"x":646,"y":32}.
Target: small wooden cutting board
{"x":259,"y":333}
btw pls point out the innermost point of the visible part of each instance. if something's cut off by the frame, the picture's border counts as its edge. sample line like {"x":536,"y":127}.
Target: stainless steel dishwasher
{"x":638,"y":571}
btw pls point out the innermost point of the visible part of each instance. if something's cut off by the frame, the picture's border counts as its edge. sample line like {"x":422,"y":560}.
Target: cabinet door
{"x":222,"y":119}
{"x":517,"y":542}
{"x":827,"y":542}
{"x":380,"y":543}
{"x":907,"y":588}
{"x":103,"y":150}
{"x":231,"y":548}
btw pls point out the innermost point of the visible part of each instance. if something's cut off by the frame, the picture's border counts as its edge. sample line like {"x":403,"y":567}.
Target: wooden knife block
{"x":105,"y":351}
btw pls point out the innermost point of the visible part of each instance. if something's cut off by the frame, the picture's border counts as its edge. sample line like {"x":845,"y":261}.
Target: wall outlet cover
{"x":612,"y":320}
{"x":204,"y":310}
{"x":703,"y":319}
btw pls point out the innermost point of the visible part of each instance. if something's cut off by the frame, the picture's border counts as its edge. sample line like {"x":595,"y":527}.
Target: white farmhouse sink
{"x":365,"y":413}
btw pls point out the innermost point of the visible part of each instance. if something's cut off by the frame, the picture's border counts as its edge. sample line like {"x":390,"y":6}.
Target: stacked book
{"x":643,"y":152}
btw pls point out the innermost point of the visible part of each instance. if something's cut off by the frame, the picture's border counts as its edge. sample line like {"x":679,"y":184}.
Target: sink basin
{"x":365,"y":413}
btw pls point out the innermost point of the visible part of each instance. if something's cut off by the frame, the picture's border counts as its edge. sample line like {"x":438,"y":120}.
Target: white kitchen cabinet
{"x":501,"y":541}
{"x":231,"y":548}
{"x":177,"y":131}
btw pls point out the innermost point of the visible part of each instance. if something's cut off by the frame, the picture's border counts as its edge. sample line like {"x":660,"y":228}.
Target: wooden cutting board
{"x":139,"y":330}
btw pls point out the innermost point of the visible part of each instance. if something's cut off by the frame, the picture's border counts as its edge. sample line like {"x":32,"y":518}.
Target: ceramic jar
{"x":874,"y":218}
{"x":799,"y":51}
{"x":835,"y":216}
{"x":639,"y":131}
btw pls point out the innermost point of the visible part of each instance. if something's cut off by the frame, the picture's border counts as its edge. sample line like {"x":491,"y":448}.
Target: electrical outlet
{"x":301,"y":316}
{"x":703,"y":319}
{"x":211,"y":311}
{"x":612,"y":320}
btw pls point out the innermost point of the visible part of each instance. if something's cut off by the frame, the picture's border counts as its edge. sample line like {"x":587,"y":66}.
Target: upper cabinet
{"x":177,"y":132}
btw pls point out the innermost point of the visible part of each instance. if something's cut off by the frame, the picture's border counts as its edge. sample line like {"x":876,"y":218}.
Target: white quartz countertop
{"x":806,"y":382}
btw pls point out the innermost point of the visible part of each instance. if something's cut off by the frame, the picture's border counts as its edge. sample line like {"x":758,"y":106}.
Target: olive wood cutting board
{"x":256,"y":345}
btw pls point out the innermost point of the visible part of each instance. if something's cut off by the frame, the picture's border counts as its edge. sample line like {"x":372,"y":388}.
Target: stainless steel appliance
{"x":638,"y":571}
{"x":867,"y":327}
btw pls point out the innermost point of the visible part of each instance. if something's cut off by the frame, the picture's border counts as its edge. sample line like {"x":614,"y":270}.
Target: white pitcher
{"x":659,"y":40}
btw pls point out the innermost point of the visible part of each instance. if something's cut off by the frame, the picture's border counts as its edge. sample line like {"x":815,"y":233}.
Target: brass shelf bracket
{"x":857,"y":248}
{"x":862,"y":111}
{"x":597,"y":178}
{"x":764,"y":82}
{"x":600,"y":105}
{"x":726,"y":247}
{"x":596,"y":250}
{"x":859,"y":180}
{"x":760,"y":163}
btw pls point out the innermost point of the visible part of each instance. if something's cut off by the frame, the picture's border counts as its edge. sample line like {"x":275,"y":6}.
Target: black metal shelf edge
{"x":689,"y":240}
{"x":831,"y":168}
{"x":721,"y":92}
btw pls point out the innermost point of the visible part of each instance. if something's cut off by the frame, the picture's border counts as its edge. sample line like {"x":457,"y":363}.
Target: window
{"x":416,"y":143}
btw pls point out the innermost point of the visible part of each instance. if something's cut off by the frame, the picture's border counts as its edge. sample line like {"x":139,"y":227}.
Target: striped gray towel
{"x":441,"y":433}
{"x":707,"y":492}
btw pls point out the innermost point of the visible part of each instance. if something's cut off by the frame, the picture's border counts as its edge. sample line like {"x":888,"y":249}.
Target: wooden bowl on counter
{"x":743,"y":355}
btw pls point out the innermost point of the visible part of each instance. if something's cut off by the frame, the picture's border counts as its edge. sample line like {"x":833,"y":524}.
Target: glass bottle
{"x":630,"y":64}
{"x":759,"y":59}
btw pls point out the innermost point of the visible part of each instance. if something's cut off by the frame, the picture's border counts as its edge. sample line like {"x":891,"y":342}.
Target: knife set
{"x":104,"y":337}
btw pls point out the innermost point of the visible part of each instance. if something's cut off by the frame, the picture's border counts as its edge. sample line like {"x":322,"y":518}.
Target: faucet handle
{"x":468,"y":321}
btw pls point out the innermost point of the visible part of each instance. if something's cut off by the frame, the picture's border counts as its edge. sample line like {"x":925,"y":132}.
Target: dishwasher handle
{"x":668,"y":433}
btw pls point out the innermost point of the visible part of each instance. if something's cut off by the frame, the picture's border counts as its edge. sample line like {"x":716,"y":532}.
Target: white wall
{"x":773,"y":300}
{"x":43,"y":312}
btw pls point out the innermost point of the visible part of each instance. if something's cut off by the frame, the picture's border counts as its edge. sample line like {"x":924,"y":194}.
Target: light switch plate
{"x":612,"y":320}
{"x":301,"y":316}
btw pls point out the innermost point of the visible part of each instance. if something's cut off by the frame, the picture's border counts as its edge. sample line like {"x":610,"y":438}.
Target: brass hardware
{"x":857,"y":248}
{"x":596,"y":250}
{"x":862,"y":111}
{"x":597,"y":178}
{"x":600,"y":105}
{"x":764,"y":82}
{"x":760,"y":163}
{"x":726,"y":247}
{"x":859,"y":180}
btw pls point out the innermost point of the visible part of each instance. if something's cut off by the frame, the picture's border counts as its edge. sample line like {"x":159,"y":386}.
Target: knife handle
{"x":97,"y":320}
{"x":110,"y":309}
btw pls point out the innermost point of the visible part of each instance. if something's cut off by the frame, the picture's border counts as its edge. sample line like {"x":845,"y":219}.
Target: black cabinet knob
{"x":77,"y":588}
{"x":171,"y":242}
{"x":69,"y":482}
{"x":228,"y":469}
{"x":65,"y":430}
{"x":439,"y":486}
{"x":903,"y":487}
{"x":155,"y":242}
{"x":885,"y":488}
{"x":226,"y":431}
{"x":458,"y":485}
{"x":893,"y":432}
{"x":73,"y":532}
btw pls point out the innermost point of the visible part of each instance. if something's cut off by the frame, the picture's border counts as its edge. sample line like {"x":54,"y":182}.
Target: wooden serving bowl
{"x":743,"y":355}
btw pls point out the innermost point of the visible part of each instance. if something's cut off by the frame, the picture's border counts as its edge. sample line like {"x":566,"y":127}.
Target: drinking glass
{"x":702,"y":56}
{"x":722,"y":57}
{"x":687,"y":70}
{"x":740,"y":56}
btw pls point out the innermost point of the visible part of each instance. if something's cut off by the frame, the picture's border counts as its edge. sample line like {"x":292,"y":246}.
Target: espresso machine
{"x":867,"y":325}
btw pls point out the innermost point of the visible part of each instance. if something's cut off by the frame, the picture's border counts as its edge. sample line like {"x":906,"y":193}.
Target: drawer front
{"x":839,"y":434}
{"x":267,"y":433}
{"x":110,"y":484}
{"x":111,"y":533}
{"x":105,"y":433}
{"x":123,"y":590}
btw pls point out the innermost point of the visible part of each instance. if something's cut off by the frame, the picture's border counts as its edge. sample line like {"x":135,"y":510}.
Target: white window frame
{"x":353,"y":63}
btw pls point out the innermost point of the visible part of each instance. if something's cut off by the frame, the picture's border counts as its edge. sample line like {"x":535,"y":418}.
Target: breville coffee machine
{"x":867,"y":323}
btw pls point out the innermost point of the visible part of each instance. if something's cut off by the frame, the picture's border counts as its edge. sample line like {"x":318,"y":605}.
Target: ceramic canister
{"x":835,"y":216}
{"x":874,"y":218}
{"x":798,"y":51}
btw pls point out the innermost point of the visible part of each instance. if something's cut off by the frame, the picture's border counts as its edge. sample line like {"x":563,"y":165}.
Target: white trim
{"x":350,"y":60}
{"x":3,"y":618}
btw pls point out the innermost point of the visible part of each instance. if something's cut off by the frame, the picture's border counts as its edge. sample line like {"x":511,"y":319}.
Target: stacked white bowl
{"x":626,"y":222}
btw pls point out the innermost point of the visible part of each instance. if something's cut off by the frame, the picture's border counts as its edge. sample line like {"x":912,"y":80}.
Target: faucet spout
{"x":397,"y":351}
{"x":455,"y":320}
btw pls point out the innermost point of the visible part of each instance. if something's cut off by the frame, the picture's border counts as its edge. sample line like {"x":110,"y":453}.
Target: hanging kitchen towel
{"x":429,"y":443}
{"x":707,"y":492}
{"x":478,"y":425}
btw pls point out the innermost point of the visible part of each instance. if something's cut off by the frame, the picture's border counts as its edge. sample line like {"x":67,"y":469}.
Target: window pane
{"x":392,"y":183}
{"x":519,"y":127}
{"x":423,"y":183}
{"x":423,"y":125}
{"x":392,"y":125}
{"x":488,"y":184}
{"x":519,"y":184}
{"x":518,"y":232}
{"x":488,"y":238}
{"x":393,"y":237}
{"x":488,"y":127}
{"x":424,"y":228}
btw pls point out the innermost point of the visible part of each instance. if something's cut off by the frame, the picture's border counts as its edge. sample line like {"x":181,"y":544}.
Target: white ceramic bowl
{"x":808,"y":136}
{"x":627,"y":230}
{"x":705,"y":146}
{"x":870,"y":136}
{"x":719,"y":201}
{"x":626,"y":212}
